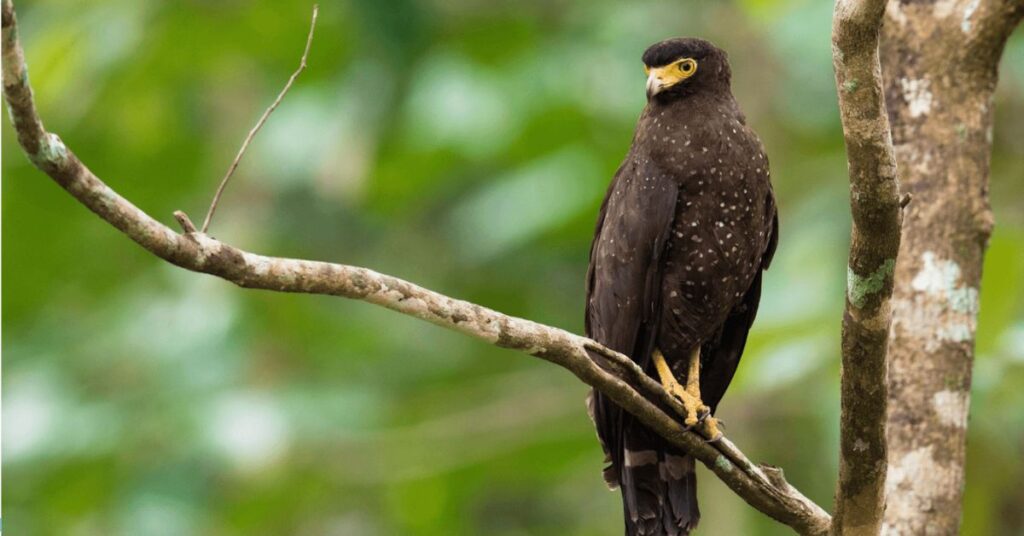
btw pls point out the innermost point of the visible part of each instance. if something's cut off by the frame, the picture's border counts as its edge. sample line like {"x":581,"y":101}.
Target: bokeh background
{"x":461,"y":144}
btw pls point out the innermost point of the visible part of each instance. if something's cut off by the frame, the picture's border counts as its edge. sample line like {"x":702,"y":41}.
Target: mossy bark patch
{"x":860,"y":288}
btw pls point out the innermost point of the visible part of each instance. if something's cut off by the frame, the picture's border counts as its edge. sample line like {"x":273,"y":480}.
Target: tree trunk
{"x":939,"y":62}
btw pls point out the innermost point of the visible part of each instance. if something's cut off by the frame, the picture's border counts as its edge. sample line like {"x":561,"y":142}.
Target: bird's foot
{"x":709,"y":428}
{"x":698,"y":418}
{"x":695,"y":412}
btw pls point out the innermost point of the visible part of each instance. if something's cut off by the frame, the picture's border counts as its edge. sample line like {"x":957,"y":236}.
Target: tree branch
{"x":874,"y":245}
{"x":612,"y":373}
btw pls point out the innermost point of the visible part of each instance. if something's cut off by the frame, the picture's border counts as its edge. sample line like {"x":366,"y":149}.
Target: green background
{"x":463,"y":145}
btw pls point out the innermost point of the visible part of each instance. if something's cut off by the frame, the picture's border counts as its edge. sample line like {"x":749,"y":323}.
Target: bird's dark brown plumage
{"x":685,"y":230}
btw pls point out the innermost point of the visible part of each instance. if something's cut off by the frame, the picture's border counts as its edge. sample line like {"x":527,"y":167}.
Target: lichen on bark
{"x":860,"y":288}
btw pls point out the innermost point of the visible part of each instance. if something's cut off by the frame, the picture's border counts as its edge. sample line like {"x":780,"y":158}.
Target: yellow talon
{"x":709,"y":427}
{"x":669,"y":382}
{"x":693,"y":374}
{"x":689,"y":395}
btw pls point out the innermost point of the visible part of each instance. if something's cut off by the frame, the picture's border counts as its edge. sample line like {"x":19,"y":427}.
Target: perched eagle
{"x":685,"y":230}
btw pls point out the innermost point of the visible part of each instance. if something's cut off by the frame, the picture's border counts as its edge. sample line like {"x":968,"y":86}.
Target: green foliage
{"x":464,"y":146}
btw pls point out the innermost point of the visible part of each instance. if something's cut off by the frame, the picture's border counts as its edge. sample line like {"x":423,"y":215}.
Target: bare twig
{"x":183,"y":220}
{"x":874,"y":245}
{"x":619,"y":377}
{"x":905,"y":200}
{"x":259,"y":124}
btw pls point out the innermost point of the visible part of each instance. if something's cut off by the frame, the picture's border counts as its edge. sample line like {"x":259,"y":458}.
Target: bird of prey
{"x":686,"y":228}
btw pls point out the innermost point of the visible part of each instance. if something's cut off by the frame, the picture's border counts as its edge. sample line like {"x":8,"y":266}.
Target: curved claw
{"x":710,"y":430}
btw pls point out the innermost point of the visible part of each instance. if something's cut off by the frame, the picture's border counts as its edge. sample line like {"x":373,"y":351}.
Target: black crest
{"x":669,"y":50}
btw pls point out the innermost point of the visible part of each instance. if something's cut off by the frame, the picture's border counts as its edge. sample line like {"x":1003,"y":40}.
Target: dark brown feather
{"x":684,"y":232}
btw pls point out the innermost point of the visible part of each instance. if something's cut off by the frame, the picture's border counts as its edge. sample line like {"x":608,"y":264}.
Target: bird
{"x":686,"y":229}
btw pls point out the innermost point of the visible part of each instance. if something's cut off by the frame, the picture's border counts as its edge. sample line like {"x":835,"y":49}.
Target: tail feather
{"x":680,"y":476}
{"x":658,"y":483}
{"x":659,"y":493}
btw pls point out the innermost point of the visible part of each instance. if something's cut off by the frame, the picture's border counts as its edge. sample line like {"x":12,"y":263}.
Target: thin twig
{"x":905,"y":200}
{"x":184,"y":221}
{"x":259,"y":124}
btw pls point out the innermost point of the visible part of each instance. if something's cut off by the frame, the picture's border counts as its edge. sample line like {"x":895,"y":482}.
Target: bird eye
{"x":687,"y":66}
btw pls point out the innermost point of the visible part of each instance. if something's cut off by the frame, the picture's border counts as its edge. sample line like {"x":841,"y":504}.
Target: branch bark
{"x":874,"y":244}
{"x":612,"y":373}
{"x":940,"y":71}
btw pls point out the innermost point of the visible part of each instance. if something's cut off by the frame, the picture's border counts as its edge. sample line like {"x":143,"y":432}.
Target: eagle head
{"x":684,"y":66}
